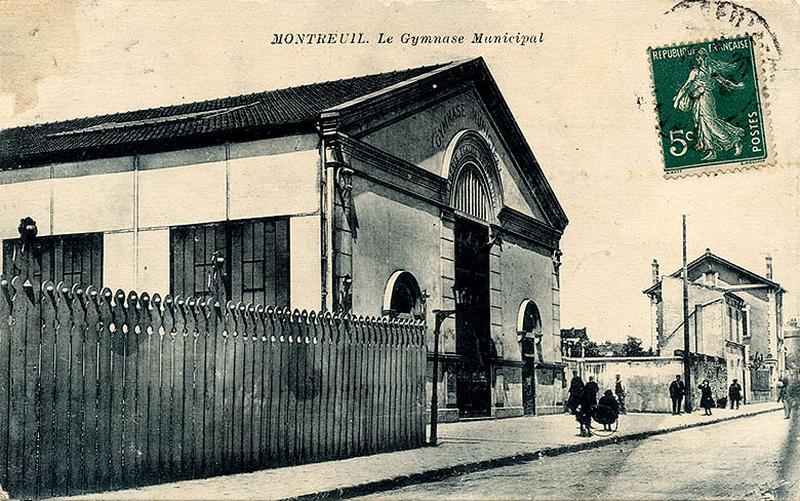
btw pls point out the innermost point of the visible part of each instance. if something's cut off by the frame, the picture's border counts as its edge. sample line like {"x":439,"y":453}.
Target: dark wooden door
{"x":473,"y":339}
{"x":528,"y":380}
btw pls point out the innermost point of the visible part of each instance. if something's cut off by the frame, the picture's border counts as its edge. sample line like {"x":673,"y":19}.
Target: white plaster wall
{"x":304,"y":262}
{"x":188,"y":194}
{"x":278,"y":184}
{"x":93,"y":203}
{"x":31,"y":198}
{"x":119,"y":269}
{"x":135,"y":208}
{"x":153,"y":261}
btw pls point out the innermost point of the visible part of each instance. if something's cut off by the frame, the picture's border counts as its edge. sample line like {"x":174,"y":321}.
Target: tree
{"x":633,"y":348}
{"x":592,"y":350}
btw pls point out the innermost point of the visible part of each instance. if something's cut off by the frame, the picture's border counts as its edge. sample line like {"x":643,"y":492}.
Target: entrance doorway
{"x":528,"y":376}
{"x":473,"y":339}
{"x":529,"y":328}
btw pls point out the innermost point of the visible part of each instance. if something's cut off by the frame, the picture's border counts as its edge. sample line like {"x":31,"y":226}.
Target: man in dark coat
{"x":676,"y":392}
{"x":587,"y":402}
{"x":591,"y":389}
{"x":575,"y":390}
{"x":735,"y":393}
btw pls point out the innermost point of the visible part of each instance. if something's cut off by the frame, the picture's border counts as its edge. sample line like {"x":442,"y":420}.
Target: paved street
{"x":462,"y":444}
{"x":740,"y":459}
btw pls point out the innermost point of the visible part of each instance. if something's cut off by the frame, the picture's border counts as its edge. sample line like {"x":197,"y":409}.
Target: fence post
{"x":217,"y":278}
{"x":24,"y":254}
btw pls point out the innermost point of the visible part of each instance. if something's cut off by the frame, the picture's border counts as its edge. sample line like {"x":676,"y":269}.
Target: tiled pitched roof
{"x":281,"y":109}
{"x":709,"y":256}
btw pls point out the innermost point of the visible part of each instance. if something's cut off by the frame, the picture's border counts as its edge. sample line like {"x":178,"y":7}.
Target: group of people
{"x":583,"y":403}
{"x":677,"y":391}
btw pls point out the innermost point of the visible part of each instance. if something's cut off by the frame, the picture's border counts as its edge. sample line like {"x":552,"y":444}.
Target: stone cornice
{"x":408,"y":178}
{"x":529,"y":228}
{"x":394,"y":171}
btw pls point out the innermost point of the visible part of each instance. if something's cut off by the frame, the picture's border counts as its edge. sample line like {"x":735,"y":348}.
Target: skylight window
{"x":198,"y":115}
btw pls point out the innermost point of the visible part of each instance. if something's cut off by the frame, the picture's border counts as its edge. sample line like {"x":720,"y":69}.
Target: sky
{"x":582,"y":97}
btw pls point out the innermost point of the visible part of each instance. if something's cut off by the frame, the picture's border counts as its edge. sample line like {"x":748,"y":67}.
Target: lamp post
{"x":460,"y":294}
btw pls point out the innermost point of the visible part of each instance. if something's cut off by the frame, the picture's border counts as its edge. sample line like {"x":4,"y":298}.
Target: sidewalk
{"x":466,"y":446}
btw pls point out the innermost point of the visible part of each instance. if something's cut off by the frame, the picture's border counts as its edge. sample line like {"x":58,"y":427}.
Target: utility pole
{"x":686,"y":347}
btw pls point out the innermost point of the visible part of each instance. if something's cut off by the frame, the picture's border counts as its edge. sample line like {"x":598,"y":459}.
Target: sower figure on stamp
{"x":676,"y":392}
{"x":697,"y":95}
{"x":735,"y":393}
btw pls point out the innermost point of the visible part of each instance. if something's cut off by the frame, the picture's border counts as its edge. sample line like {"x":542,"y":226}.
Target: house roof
{"x":709,"y":256}
{"x":275,"y":111}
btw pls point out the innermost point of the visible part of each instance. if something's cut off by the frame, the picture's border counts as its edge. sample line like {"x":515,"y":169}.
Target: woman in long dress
{"x":697,"y":96}
{"x":706,"y":397}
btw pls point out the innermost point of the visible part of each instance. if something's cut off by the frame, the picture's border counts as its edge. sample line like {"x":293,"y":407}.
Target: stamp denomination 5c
{"x":709,"y":105}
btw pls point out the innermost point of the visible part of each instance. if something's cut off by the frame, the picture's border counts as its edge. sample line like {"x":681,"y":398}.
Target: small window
{"x":745,"y":334}
{"x":73,"y":259}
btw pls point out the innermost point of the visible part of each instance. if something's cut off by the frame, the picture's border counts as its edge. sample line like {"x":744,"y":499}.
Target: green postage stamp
{"x":710,"y":110}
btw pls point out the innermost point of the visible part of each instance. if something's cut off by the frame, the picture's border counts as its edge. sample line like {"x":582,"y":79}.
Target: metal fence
{"x":102,"y":390}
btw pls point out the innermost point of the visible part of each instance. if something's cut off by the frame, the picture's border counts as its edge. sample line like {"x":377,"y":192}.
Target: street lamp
{"x":461,"y":295}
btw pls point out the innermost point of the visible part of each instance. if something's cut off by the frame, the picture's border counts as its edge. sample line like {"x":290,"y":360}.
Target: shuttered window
{"x":73,"y":259}
{"x":256,"y":260}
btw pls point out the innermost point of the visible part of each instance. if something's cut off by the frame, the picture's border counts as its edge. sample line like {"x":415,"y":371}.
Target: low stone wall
{"x":551,"y":390}
{"x":647,"y":379}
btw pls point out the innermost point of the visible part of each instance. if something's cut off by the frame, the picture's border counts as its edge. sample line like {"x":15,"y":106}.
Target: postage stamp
{"x":709,"y":104}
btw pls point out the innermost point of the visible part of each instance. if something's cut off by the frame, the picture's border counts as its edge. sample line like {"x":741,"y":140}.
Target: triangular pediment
{"x":418,"y":121}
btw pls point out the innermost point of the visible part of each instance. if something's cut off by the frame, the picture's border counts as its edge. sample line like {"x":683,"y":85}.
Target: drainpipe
{"x":323,"y":227}
{"x":330,"y":155}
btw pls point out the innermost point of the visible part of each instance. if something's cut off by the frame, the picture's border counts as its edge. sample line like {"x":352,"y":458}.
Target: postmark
{"x":709,"y":103}
{"x":725,"y":15}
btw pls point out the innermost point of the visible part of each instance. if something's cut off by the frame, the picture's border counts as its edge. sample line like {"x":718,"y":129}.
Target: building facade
{"x":735,"y":316}
{"x":374,"y":195}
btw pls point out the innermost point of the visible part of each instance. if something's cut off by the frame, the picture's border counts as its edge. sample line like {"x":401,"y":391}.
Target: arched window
{"x":529,"y":322}
{"x":471,"y":195}
{"x":529,"y":329}
{"x":402,"y":296}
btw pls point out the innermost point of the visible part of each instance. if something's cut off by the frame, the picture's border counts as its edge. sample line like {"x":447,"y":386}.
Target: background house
{"x":735,"y":316}
{"x":373,"y":195}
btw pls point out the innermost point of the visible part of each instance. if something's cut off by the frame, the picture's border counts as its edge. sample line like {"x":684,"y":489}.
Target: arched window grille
{"x":471,"y":194}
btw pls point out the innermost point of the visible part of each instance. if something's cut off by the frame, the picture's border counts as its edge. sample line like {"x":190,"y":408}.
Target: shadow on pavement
{"x":789,"y":462}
